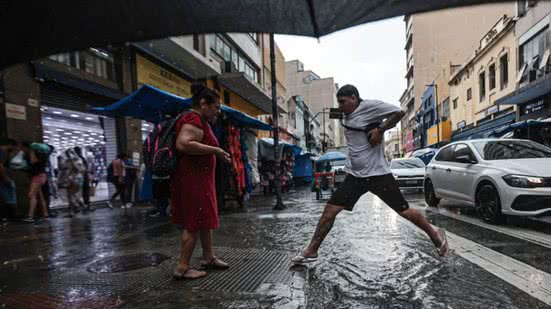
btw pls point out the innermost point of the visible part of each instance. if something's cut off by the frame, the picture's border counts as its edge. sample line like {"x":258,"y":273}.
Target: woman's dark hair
{"x":348,"y":91}
{"x":122,"y":156}
{"x":200,"y":91}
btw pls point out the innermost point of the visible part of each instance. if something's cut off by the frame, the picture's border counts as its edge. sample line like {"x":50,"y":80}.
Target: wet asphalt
{"x":372,"y":259}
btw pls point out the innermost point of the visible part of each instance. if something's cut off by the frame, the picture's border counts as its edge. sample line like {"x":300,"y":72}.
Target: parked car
{"x":425,"y":154}
{"x":497,"y":176}
{"x":409,"y":173}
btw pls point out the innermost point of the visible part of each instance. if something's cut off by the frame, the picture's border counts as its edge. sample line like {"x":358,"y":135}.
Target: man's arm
{"x":375,"y":136}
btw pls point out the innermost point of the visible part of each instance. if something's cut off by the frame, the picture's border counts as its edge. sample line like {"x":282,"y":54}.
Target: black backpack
{"x":159,"y":148}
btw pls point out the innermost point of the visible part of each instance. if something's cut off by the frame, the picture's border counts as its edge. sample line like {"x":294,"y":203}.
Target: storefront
{"x":539,"y":108}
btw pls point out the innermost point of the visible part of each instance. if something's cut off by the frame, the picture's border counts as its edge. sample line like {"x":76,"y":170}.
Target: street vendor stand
{"x":325,"y":175}
{"x":235,"y":131}
{"x":267,"y":164}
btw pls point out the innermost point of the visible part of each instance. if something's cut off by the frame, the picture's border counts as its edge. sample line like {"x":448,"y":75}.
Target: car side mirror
{"x":465,"y":159}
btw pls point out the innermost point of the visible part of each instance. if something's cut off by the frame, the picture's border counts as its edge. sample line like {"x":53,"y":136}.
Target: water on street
{"x":373,"y":258}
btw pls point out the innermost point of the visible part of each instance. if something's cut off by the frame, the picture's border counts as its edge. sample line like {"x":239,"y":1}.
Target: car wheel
{"x":488,"y":204}
{"x":430,"y":196}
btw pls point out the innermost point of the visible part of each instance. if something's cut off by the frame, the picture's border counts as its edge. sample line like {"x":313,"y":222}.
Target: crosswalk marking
{"x":531,"y":280}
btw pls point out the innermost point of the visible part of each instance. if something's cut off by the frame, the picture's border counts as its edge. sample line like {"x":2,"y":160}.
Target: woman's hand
{"x":222,"y":155}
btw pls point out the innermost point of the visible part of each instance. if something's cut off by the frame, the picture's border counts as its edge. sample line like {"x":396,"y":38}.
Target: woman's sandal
{"x":214,"y":263}
{"x":184,"y":275}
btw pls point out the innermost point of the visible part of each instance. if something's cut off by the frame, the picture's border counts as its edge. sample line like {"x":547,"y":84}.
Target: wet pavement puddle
{"x":127,"y":262}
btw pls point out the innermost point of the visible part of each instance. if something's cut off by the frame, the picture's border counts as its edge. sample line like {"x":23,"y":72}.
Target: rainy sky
{"x":371,"y":56}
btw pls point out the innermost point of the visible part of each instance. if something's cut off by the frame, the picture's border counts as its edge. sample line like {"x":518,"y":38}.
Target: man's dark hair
{"x":348,"y":91}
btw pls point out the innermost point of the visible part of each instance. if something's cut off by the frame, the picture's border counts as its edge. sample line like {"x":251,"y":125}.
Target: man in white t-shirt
{"x":365,"y":122}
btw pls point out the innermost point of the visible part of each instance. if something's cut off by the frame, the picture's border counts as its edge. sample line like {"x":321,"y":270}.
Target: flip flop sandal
{"x":444,"y":248}
{"x":178,"y":275}
{"x":300,"y":259}
{"x":215,"y":263}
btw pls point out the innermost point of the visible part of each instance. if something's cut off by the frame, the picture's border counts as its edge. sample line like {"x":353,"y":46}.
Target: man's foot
{"x":28,"y":220}
{"x":304,"y":258}
{"x":110,"y":205}
{"x":214,"y":263}
{"x":442,"y":247}
{"x":188,"y":273}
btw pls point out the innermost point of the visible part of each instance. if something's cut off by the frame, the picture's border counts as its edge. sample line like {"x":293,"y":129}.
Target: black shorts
{"x":385,"y":187}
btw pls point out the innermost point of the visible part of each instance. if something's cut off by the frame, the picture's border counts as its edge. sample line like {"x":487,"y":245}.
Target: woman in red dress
{"x":194,"y":202}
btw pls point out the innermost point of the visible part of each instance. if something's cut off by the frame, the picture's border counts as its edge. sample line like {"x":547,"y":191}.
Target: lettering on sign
{"x":151,"y":74}
{"x":14,"y":111}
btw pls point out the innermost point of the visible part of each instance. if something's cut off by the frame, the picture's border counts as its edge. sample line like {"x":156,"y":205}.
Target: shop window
{"x":492,"y":76}
{"x":469,"y":94}
{"x":503,"y":71}
{"x":482,"y":85}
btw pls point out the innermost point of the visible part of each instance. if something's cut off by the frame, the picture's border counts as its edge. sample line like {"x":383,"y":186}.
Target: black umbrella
{"x":33,"y":29}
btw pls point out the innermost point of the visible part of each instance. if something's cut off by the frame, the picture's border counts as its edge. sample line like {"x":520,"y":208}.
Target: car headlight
{"x":521,"y":181}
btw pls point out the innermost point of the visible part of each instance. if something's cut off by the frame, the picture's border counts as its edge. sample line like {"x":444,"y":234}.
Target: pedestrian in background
{"x":85,"y":179}
{"x":193,"y":200}
{"x":71,"y":177}
{"x":119,"y":180}
{"x":38,"y":160}
{"x":8,"y":197}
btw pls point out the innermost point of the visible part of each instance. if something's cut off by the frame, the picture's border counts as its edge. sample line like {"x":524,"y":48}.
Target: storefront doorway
{"x":65,"y":129}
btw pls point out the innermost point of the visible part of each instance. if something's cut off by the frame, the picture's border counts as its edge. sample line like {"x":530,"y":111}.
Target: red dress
{"x":193,"y":197}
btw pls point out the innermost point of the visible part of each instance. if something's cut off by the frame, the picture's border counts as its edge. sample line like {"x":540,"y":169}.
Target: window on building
{"x":396,"y":148}
{"x":503,"y":71}
{"x":446,"y":109}
{"x":535,"y":47}
{"x":229,"y":52}
{"x":254,"y":36}
{"x":455,"y":103}
{"x":93,"y":61}
{"x":482,"y":85}
{"x":492,"y":76}
{"x":469,"y":94}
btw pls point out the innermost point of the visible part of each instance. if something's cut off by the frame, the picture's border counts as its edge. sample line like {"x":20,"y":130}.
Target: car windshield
{"x":403,"y":164}
{"x":510,"y":149}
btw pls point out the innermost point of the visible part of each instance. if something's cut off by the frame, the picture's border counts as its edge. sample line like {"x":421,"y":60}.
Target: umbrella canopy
{"x":151,"y":104}
{"x":332,"y":156}
{"x":33,"y":29}
{"x":267,"y":144}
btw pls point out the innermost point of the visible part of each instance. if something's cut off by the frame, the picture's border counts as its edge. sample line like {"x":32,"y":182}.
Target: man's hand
{"x":375,"y":136}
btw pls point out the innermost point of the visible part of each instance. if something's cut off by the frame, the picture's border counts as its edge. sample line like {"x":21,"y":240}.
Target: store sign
{"x":461,"y":124}
{"x":535,"y":108}
{"x":409,"y":141}
{"x":492,"y":110}
{"x":16,"y":111}
{"x":151,"y":74}
{"x":136,"y":158}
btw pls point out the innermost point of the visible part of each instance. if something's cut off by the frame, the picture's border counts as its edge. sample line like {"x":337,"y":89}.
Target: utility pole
{"x":275,"y":117}
{"x":324,"y":143}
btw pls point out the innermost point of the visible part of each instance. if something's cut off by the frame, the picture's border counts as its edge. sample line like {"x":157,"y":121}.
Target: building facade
{"x":486,"y":77}
{"x":320,"y":95}
{"x":392,"y":144}
{"x":434,"y":40}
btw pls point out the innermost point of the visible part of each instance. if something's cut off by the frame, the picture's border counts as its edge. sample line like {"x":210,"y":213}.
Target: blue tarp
{"x":332,"y":156}
{"x":303,"y":165}
{"x":153,"y":105}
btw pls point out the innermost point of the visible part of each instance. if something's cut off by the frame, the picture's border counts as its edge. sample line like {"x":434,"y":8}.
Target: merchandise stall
{"x":267,"y":163}
{"x":235,"y":131}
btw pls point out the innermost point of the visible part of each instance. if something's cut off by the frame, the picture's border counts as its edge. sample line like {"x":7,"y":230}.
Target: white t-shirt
{"x":365,"y":160}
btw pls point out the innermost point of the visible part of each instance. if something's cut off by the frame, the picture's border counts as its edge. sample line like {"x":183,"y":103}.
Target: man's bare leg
{"x":417,"y":218}
{"x":325,"y":224}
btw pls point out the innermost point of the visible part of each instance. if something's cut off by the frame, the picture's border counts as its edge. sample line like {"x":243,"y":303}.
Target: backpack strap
{"x":368,"y":128}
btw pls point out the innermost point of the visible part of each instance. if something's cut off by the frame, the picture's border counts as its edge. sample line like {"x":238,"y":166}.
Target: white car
{"x":409,"y":173}
{"x":497,"y":176}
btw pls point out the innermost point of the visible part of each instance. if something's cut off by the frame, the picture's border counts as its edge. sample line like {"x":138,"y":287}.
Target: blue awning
{"x":153,"y":105}
{"x":527,"y":93}
{"x":332,"y":156}
{"x":483,"y":129}
{"x":517,"y":125}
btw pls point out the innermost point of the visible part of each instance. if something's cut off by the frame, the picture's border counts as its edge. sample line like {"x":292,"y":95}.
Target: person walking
{"x":119,"y":180}
{"x":85,"y":179}
{"x":8,"y":197}
{"x":71,"y":177}
{"x":365,"y":122}
{"x":38,"y":161}
{"x":193,"y":192}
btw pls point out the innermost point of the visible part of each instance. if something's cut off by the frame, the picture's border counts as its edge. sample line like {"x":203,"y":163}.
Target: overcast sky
{"x":371,"y":57}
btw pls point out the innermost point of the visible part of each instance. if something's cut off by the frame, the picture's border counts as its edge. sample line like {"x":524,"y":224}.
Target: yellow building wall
{"x":151,"y":74}
{"x":445,"y":128}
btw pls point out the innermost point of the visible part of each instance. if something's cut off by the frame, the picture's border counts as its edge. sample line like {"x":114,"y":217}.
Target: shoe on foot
{"x":110,"y":205}
{"x":28,"y":220}
{"x":444,"y":248}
